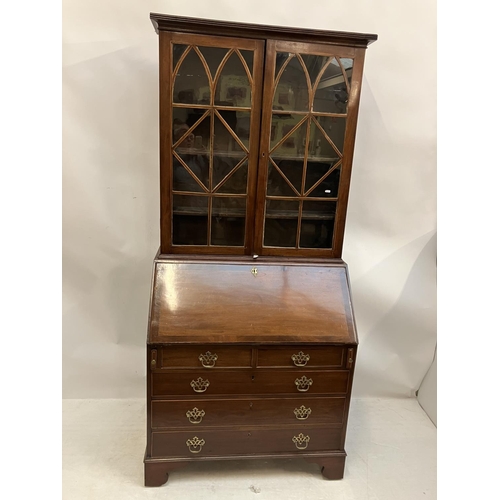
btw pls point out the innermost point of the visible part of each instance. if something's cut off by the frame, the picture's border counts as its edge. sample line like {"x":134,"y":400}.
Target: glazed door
{"x":210,"y":103}
{"x":310,"y":106}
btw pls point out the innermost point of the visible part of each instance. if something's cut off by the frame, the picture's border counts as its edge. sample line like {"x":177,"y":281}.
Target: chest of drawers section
{"x":223,"y":401}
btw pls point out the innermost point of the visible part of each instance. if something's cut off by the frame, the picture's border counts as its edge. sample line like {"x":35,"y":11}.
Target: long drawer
{"x":200,"y":443}
{"x":201,"y":413}
{"x":184,"y":383}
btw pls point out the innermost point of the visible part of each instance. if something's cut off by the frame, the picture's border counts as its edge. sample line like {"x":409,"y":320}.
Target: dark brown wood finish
{"x":270,"y":81}
{"x":198,"y":413}
{"x":163,"y":22}
{"x":244,"y":440}
{"x":167,"y":76}
{"x":202,"y":303}
{"x":251,"y":350}
{"x":350,"y":133}
{"x":237,"y":383}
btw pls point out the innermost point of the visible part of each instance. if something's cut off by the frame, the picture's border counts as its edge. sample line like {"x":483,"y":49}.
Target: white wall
{"x":111,"y":200}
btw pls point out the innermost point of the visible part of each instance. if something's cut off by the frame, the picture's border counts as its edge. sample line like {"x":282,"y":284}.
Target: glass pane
{"x":224,"y":143}
{"x":222,"y":165}
{"x":239,"y":121}
{"x":280,"y":228}
{"x":233,"y":87}
{"x":319,"y":148}
{"x":314,"y":65}
{"x":282,"y":124}
{"x":213,"y":56}
{"x":316,"y":230}
{"x":228,"y":221}
{"x":191,"y":82}
{"x":328,"y":187}
{"x":190,"y":220}
{"x":192,"y":151}
{"x":331,"y":94}
{"x":294,"y":145}
{"x":248,"y":56}
{"x":281,"y":57}
{"x":347,"y":64}
{"x":334,"y":127}
{"x":177,"y":52}
{"x":276,"y":185}
{"x":292,"y":92}
{"x":237,"y":183}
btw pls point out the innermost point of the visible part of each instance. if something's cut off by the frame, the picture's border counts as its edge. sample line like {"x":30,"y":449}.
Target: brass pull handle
{"x":303,"y":383}
{"x":208,"y":359}
{"x":301,"y":441}
{"x":302,"y":413}
{"x":254,"y":271}
{"x":195,"y":416}
{"x":195,"y":445}
{"x":199,"y":385}
{"x":300,"y":359}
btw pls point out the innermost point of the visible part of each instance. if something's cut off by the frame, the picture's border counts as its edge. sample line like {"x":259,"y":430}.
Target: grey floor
{"x":391,"y":448}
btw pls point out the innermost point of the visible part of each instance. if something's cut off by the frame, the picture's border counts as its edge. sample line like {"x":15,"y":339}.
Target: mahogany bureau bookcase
{"x":251,"y":343}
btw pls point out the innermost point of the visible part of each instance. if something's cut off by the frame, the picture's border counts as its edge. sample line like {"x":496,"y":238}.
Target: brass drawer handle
{"x":301,"y":441}
{"x":195,"y":445}
{"x":303,"y":383}
{"x":302,"y":413}
{"x":195,"y":416}
{"x":208,"y":359}
{"x":300,"y":359}
{"x":200,"y":385}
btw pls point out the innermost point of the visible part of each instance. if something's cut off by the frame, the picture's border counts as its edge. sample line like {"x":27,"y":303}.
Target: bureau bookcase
{"x":251,"y":342}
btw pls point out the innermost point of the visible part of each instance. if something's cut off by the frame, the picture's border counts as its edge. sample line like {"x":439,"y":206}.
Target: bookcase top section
{"x":162,"y":22}
{"x":245,"y":303}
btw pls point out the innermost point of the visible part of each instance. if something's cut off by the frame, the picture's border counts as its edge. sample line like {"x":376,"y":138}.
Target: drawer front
{"x":248,"y":382}
{"x":202,"y":413}
{"x":205,"y":356}
{"x":202,"y":443}
{"x":301,"y":356}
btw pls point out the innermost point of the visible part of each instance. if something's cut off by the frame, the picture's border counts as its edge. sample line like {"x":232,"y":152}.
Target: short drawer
{"x":184,"y":383}
{"x":202,"y":443}
{"x":202,"y":413}
{"x":205,"y":356}
{"x":301,"y":356}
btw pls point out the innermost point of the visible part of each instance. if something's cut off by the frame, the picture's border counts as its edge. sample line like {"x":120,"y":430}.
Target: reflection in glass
{"x":317,"y":223}
{"x":280,"y":228}
{"x":224,"y":142}
{"x":314,"y":65}
{"x":294,"y":144}
{"x":233,"y":86}
{"x":331,"y":94}
{"x":177,"y":52}
{"x":213,"y":56}
{"x":190,"y":221}
{"x":228,"y":221}
{"x":192,"y":151}
{"x":292,"y":92}
{"x":191,"y":84}
{"x":239,"y":122}
{"x":347,"y":65}
{"x":334,"y":128}
{"x":328,"y":187}
{"x":248,"y":56}
{"x":237,"y":183}
{"x":277,"y":186}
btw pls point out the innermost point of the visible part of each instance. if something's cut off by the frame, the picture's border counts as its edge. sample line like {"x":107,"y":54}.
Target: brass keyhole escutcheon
{"x":254,"y":271}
